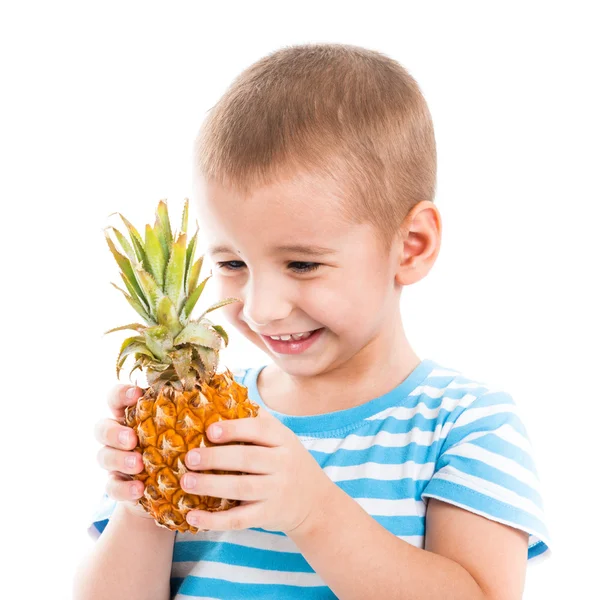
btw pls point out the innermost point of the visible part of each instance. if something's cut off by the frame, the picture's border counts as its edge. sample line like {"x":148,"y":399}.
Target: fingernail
{"x":189,"y":481}
{"x":215,"y":431}
{"x":130,"y":461}
{"x":130,"y":393}
{"x":134,"y":490}
{"x":194,"y":458}
{"x":124,"y":438}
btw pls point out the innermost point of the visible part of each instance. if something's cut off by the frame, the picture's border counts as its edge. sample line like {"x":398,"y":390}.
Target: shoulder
{"x":483,"y":460}
{"x":458,"y":393}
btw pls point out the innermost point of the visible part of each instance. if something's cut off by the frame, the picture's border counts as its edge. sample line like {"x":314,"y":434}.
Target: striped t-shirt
{"x":437,"y":434}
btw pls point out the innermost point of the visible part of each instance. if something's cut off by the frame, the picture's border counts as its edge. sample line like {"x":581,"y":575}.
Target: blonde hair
{"x":351,"y":116}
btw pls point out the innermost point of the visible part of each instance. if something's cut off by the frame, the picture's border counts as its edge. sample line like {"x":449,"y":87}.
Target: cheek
{"x":350,"y":306}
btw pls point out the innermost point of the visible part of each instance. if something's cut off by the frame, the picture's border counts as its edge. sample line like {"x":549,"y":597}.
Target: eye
{"x":228,"y":265}
{"x":305,"y":267}
{"x":301,"y":267}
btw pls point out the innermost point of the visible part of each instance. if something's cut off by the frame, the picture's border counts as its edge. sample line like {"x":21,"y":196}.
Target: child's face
{"x":351,"y":294}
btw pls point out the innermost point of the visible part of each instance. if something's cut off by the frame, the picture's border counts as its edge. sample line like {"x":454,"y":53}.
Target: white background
{"x":101,"y":102}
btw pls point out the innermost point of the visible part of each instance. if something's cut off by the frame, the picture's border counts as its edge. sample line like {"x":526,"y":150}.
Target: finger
{"x":118,"y":399}
{"x":262,"y":431}
{"x":118,"y":460}
{"x":110,"y":433}
{"x":234,"y":487}
{"x":121,"y":487}
{"x":238,"y":517}
{"x":248,"y":459}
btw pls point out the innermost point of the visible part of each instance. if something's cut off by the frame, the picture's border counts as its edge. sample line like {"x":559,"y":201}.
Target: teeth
{"x":295,"y":336}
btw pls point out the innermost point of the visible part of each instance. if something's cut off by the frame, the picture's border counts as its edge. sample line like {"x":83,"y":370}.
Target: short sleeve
{"x":100,"y":517}
{"x":486,"y":465}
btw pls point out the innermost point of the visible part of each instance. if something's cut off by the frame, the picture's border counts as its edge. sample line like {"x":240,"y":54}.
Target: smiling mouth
{"x":293,"y":337}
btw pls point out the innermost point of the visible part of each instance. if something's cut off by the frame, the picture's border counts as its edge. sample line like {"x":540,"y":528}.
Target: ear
{"x":418,"y":244}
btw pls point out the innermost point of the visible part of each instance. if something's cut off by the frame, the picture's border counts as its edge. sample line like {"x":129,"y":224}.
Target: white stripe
{"x":185,"y":596}
{"x":404,"y":413}
{"x":239,"y":574}
{"x":474,"y":414}
{"x":507,"y":433}
{"x":418,"y":541}
{"x":404,"y":507}
{"x":483,"y":486}
{"x":249,"y":538}
{"x":418,"y":436}
{"x":480,"y":412}
{"x":381,"y":438}
{"x":497,"y":461}
{"x":181,"y":596}
{"x":373,"y":470}
{"x":443,"y":372}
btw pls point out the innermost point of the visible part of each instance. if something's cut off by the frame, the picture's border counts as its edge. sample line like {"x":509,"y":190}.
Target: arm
{"x":131,"y":560}
{"x":466,"y":556}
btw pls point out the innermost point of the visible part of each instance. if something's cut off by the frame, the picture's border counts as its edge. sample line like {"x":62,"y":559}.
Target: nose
{"x":264,"y":305}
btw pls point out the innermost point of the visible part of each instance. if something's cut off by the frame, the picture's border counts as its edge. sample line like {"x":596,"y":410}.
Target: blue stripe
{"x":383,"y":455}
{"x":487,"y":505}
{"x":494,"y":443}
{"x":100,"y":525}
{"x":434,"y":402}
{"x":392,"y":424}
{"x":487,"y":423}
{"x":227,"y":590}
{"x":478,"y":468}
{"x":536,"y":550}
{"x":241,"y":556}
{"x":402,"y":525}
{"x":393,"y":489}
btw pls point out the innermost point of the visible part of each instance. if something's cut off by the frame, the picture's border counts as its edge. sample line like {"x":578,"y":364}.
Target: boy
{"x":372,"y":473}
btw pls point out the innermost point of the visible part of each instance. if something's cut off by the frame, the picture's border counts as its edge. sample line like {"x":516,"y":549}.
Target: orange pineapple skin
{"x":169,"y":425}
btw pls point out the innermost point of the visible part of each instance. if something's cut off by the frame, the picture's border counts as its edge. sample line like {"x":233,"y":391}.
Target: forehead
{"x":299,"y":211}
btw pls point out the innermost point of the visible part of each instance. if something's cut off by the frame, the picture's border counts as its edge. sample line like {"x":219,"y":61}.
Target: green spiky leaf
{"x":135,"y":293}
{"x":152,"y":291}
{"x":193,"y":275}
{"x":136,"y":239}
{"x":191,"y":301}
{"x":189,"y":257}
{"x":182,"y":360}
{"x":137,"y":365}
{"x":156,"y":256}
{"x":199,"y":335}
{"x":135,"y":305}
{"x":162,"y":227}
{"x":208,"y":357}
{"x":220,"y":304}
{"x":129,"y":346}
{"x":159,"y":341}
{"x":184,"y":216}
{"x":167,"y":315}
{"x":133,"y":259}
{"x":124,"y":265}
{"x":223,"y":334}
{"x":174,"y":274}
{"x":135,"y":326}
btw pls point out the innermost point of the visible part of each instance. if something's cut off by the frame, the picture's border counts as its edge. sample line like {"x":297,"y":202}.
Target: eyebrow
{"x":293,"y":249}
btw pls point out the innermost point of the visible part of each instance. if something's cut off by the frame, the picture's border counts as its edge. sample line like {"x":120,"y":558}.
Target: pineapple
{"x":179,"y":357}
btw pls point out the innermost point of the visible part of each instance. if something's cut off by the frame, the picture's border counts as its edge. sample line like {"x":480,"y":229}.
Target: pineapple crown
{"x":161,"y":277}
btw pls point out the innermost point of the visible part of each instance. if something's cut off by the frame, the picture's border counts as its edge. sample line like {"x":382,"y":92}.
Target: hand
{"x":285,"y":487}
{"x":115,"y":453}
